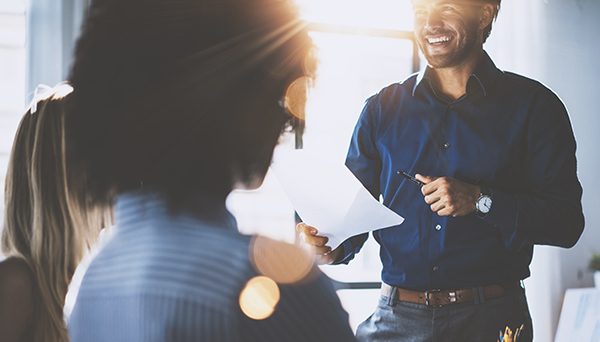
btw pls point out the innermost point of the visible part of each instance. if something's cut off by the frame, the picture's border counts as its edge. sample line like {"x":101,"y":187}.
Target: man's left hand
{"x":448,"y":196}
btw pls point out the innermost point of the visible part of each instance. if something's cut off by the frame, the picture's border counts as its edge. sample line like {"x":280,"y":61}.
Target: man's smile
{"x":438,"y":40}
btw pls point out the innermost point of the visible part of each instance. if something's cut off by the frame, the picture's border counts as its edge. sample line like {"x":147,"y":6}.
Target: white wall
{"x":573,"y":72}
{"x":12,"y":81}
{"x":554,"y":41}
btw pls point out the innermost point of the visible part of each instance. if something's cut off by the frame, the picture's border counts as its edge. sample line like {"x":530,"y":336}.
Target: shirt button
{"x":438,"y":227}
{"x":446,"y":146}
{"x":451,"y":106}
{"x":435,"y":268}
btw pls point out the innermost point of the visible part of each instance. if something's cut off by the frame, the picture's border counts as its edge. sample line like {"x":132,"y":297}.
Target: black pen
{"x":410,"y":178}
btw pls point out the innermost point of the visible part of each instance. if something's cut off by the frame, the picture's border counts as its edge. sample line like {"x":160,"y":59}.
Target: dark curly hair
{"x":183,"y":96}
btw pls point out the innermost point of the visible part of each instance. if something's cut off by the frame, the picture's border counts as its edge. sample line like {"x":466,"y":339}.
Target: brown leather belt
{"x":438,"y":298}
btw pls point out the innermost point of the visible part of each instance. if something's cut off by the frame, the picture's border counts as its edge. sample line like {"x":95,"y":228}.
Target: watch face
{"x":484,"y":204}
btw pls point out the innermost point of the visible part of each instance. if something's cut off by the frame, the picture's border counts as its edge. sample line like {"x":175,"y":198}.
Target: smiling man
{"x":496,"y":152}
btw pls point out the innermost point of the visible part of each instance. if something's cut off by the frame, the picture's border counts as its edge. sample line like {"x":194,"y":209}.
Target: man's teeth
{"x":438,"y":40}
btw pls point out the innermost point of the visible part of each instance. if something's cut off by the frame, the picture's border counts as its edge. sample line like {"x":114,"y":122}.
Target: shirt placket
{"x":437,"y":223}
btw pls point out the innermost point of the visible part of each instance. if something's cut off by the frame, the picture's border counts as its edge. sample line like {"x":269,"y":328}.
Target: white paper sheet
{"x":327,"y":196}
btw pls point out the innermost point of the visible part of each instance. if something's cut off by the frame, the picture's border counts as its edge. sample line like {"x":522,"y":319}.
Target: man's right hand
{"x":316,"y":244}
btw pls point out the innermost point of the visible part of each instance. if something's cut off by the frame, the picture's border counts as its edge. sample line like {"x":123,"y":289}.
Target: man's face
{"x":447,"y":31}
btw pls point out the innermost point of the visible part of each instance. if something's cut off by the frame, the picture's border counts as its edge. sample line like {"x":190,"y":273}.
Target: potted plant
{"x":594,"y":266}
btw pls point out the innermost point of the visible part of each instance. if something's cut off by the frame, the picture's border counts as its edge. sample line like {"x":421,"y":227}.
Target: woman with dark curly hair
{"x":176,"y":103}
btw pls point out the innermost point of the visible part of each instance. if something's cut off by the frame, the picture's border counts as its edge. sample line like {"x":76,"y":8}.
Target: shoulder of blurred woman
{"x":16,"y":299}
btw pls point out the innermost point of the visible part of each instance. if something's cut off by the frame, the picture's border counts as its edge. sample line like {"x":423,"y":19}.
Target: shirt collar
{"x":138,"y":206}
{"x":484,"y":75}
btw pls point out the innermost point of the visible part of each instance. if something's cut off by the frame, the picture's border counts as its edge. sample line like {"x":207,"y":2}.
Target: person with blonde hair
{"x":48,"y":224}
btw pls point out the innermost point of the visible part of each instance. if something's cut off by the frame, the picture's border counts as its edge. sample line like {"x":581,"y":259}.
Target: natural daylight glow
{"x":351,"y":67}
{"x":386,"y":14}
{"x":295,"y":97}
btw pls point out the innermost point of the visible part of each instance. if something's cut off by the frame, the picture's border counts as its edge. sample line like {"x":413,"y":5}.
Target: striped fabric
{"x":166,"y":277}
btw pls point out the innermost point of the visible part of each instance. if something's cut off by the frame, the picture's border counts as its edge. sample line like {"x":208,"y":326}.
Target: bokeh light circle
{"x":259,"y":297}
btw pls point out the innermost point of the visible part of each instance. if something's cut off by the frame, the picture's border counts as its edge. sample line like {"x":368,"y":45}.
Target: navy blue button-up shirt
{"x":507,"y":132}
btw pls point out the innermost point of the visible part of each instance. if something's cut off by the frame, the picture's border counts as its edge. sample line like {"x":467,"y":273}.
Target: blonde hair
{"x":49,"y":221}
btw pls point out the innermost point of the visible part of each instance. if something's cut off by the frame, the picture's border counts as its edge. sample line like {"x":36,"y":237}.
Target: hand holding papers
{"x":326,"y":195}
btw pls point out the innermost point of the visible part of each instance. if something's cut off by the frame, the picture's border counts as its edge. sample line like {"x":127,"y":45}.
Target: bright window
{"x":381,"y":14}
{"x":362,"y":47}
{"x":12,"y":79}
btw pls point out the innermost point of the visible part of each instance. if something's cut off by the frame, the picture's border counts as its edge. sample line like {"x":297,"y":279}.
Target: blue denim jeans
{"x":465,"y":322}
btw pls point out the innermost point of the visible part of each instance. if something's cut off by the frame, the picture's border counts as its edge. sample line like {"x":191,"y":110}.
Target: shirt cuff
{"x":503,"y":214}
{"x":346,"y":257}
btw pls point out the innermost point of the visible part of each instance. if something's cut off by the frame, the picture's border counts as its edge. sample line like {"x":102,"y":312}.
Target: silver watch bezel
{"x":482,"y":209}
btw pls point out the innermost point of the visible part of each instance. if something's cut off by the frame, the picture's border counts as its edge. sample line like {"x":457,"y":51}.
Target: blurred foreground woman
{"x":48,"y":225}
{"x":176,"y":103}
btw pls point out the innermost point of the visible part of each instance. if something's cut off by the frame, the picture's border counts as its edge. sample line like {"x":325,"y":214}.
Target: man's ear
{"x":486,"y":15}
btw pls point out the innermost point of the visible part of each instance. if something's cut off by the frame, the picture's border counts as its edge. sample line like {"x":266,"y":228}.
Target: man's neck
{"x":452,"y":81}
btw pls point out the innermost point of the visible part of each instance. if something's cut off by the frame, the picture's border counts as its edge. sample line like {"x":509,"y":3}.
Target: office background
{"x":553,"y":41}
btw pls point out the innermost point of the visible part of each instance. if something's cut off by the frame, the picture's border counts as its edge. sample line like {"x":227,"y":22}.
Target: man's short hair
{"x":488,"y":29}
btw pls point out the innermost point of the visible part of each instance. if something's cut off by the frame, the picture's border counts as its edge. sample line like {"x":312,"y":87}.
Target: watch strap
{"x":485,"y":190}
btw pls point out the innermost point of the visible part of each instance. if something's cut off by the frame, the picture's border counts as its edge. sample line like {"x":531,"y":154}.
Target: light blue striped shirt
{"x":178,"y":277}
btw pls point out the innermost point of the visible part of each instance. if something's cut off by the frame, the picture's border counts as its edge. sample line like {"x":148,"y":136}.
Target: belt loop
{"x":475,"y":295}
{"x":481,"y":294}
{"x":392,"y":295}
{"x":478,"y":295}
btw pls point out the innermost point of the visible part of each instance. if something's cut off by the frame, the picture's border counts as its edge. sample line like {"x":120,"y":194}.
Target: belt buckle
{"x":427,"y":293}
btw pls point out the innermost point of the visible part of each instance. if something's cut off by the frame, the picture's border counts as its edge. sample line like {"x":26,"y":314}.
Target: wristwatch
{"x":484,"y":202}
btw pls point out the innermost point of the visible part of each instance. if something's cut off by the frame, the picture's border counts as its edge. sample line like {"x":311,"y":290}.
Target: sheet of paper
{"x":580,"y":316}
{"x":327,"y":196}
